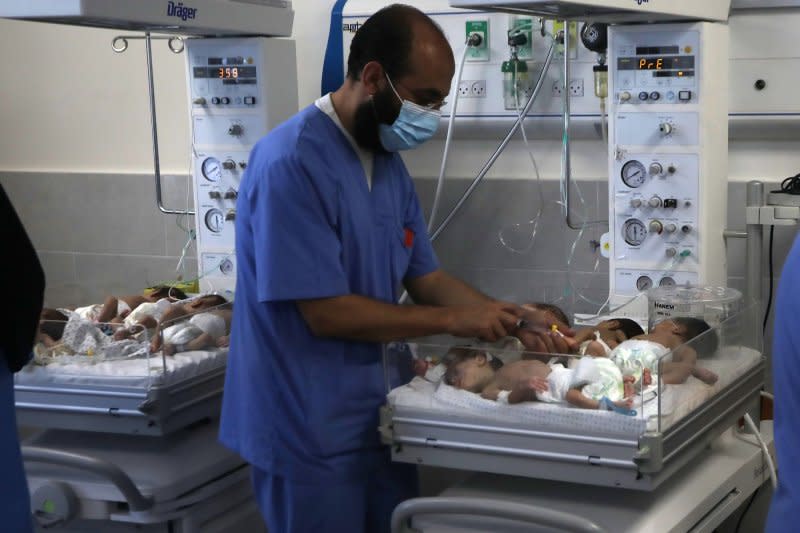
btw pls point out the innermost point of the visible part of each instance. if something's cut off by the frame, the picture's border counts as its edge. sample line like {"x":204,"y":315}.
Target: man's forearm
{"x":359,"y":318}
{"x":441,"y":289}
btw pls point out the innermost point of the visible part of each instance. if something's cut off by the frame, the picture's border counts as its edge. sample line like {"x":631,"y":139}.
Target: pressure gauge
{"x":634,"y":174}
{"x":215,"y":219}
{"x":211,"y":168}
{"x":644,"y":283}
{"x":226,"y":267}
{"x":667,"y":282}
{"x":634,"y":232}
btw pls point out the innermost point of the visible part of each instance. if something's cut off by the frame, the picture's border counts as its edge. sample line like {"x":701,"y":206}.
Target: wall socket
{"x":558,"y":89}
{"x":576,"y":87}
{"x":472,"y":89}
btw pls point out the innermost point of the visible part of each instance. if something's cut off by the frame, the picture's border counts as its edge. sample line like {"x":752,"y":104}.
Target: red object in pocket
{"x":409,"y":240}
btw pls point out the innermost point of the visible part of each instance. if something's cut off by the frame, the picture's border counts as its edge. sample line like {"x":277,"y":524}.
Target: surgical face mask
{"x":414,"y":125}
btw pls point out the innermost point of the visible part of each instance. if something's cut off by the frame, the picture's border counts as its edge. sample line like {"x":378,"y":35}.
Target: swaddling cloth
{"x":609,"y":382}
{"x":178,"y":334}
{"x":562,"y":379}
{"x":153,"y":309}
{"x":633,"y":356}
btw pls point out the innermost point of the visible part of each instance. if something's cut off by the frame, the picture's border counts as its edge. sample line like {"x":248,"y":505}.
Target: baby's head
{"x":469,"y":368}
{"x":207,"y":301}
{"x":52,"y":322}
{"x":617,"y":330}
{"x":154,"y":294}
{"x":553,"y":313}
{"x":687,"y":328}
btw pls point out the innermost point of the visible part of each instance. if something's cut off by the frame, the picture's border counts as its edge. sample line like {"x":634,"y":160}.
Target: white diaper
{"x":90,"y":312}
{"x":210,"y":323}
{"x":634,"y":355}
{"x":562,"y":379}
{"x":155,"y":310}
{"x":609,"y":383}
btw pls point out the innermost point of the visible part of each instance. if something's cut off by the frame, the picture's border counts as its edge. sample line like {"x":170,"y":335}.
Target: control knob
{"x":231,"y":194}
{"x":656,"y":169}
{"x":229,"y":164}
{"x":636,"y":203}
{"x":235,"y":130}
{"x":199,"y":101}
{"x":654,"y":202}
{"x":665,"y":128}
{"x":670,"y":228}
{"x":656,"y":227}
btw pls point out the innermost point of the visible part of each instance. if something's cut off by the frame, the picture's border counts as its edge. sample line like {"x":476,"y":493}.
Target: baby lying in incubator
{"x":592,"y":384}
{"x":150,"y":314}
{"x":638,"y":354}
{"x":201,"y":331}
{"x":126,"y":309}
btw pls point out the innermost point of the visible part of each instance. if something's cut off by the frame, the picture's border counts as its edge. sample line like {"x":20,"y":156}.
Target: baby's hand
{"x":628,"y":388}
{"x":626,"y":403}
{"x":224,"y":341}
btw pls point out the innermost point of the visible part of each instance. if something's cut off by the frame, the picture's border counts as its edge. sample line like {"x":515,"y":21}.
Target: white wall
{"x":70,"y":104}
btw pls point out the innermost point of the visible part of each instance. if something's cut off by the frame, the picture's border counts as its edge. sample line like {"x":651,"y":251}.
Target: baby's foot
{"x":626,"y":403}
{"x":647,"y":377}
{"x":705,"y":375}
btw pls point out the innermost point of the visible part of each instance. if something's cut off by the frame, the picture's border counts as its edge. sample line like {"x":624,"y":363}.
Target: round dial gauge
{"x":226,"y":267}
{"x":211,"y":168}
{"x":215,"y":219}
{"x":667,"y":282}
{"x":634,"y":174}
{"x":644,"y":283}
{"x":634,"y":232}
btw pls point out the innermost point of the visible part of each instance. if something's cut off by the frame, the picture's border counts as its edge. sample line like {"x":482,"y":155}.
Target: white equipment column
{"x":239,"y":89}
{"x":668,"y":156}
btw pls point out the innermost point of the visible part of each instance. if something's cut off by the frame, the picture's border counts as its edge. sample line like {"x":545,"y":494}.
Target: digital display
{"x":676,"y":63}
{"x":656,"y":50}
{"x":225,"y":73}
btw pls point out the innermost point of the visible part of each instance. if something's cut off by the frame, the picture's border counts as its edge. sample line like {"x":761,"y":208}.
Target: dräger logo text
{"x":181,"y":11}
{"x":352,"y":28}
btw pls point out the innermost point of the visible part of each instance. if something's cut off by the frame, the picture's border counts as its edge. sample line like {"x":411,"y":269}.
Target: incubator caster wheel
{"x":53,"y":504}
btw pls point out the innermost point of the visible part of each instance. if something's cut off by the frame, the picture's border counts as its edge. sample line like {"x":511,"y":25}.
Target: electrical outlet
{"x":558,"y":89}
{"x":464,"y":89}
{"x":478,"y":89}
{"x":576,"y":88}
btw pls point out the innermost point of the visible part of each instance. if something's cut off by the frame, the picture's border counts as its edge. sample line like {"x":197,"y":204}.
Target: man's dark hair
{"x":387,"y":37}
{"x":629,"y":327}
{"x":707,"y":344}
{"x":166,"y":291}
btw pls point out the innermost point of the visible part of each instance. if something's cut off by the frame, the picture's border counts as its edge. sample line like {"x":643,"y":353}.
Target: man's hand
{"x":537,"y":334}
{"x":488,"y":321}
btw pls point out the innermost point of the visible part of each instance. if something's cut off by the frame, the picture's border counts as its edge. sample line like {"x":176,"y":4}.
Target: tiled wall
{"x":102,"y":234}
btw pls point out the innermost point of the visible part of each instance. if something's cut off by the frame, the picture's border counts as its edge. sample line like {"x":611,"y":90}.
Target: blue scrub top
{"x":784,"y":513}
{"x":308,"y":226}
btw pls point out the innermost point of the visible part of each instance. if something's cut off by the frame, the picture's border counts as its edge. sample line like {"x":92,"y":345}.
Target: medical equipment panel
{"x":667,"y":156}
{"x":239,"y":89}
{"x":431,"y":422}
{"x":608,"y":10}
{"x":190,"y":17}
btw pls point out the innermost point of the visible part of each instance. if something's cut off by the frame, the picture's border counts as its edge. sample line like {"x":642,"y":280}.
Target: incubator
{"x":714,"y":305}
{"x":669,"y":417}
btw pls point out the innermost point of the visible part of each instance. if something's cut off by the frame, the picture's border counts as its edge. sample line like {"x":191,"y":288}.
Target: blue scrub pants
{"x":352,"y":506}
{"x":15,"y":511}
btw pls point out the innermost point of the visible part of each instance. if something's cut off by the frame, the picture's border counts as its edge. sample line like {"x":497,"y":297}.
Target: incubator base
{"x":195,"y":484}
{"x":698,"y":499}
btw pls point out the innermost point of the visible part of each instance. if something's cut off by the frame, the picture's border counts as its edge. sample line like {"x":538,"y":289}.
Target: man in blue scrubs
{"x":328,"y":229}
{"x":23,"y":284}
{"x":784,"y":513}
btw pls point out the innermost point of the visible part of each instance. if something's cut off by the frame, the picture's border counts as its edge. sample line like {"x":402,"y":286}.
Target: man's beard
{"x":380,"y":109}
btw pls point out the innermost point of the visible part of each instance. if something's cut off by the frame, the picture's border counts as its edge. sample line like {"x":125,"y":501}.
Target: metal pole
{"x":754,"y":253}
{"x":154,"y":127}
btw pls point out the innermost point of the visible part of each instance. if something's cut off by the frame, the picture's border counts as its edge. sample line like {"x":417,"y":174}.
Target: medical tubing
{"x":99,"y":467}
{"x":437,"y":197}
{"x":770,"y":464}
{"x":488,"y":165}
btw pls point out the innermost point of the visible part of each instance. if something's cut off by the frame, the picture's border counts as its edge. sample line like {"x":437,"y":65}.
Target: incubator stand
{"x":123,"y":431}
{"x":429,"y":422}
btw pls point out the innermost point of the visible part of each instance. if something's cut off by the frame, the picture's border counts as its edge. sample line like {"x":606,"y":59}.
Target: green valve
{"x":49,"y":506}
{"x":481,"y":29}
